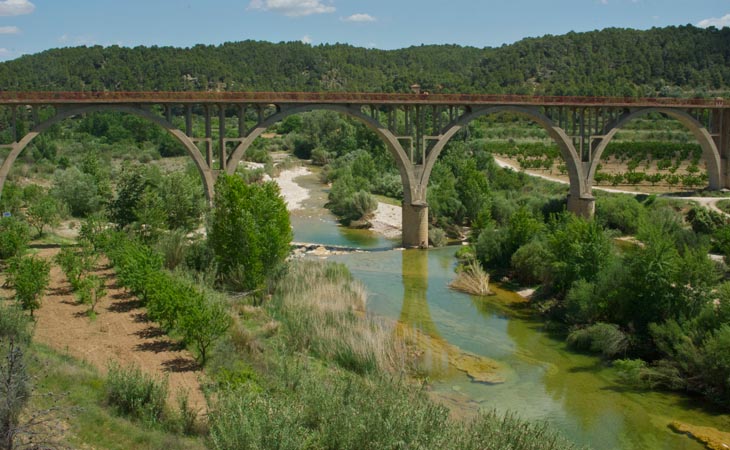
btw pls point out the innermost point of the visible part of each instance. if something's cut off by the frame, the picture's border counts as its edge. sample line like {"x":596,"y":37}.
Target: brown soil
{"x":613,"y":166}
{"x":121,"y":332}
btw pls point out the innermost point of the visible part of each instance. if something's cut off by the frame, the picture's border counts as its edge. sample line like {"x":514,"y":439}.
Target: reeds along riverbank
{"x":472,"y":279}
{"x":331,"y":384}
{"x":322,"y":309}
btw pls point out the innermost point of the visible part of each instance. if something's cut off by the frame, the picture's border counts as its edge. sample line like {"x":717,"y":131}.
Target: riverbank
{"x":386,"y":220}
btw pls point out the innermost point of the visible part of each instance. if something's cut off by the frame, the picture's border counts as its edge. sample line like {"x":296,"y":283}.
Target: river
{"x":579,"y":395}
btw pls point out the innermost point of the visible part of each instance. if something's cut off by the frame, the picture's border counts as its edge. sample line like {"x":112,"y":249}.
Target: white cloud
{"x":4,"y":52}
{"x":16,"y":7}
{"x":306,"y":39}
{"x":292,"y":8}
{"x":721,"y":22}
{"x":360,"y":18}
{"x":9,"y":30}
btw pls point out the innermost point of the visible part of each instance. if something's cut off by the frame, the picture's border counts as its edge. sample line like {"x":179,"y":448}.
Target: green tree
{"x":29,"y":276}
{"x":249,"y":230}
{"x":202,"y":321}
{"x":14,"y":237}
{"x":579,"y":250}
{"x":42,"y":213}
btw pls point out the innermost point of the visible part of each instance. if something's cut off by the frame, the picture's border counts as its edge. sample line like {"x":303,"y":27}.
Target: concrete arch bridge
{"x":414,"y":127}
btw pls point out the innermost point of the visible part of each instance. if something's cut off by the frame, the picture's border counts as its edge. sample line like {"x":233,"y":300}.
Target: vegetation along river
{"x":540,"y":379}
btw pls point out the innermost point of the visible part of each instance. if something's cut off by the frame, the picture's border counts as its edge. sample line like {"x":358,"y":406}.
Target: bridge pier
{"x":582,"y":205}
{"x":415,"y":225}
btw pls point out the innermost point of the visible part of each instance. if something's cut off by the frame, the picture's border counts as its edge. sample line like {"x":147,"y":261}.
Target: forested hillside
{"x":672,"y":61}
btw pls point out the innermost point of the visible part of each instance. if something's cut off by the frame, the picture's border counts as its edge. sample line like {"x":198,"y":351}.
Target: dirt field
{"x":120,"y":332}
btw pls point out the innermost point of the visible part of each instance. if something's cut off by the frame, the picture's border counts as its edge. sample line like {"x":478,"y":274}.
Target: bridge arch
{"x":579,"y":189}
{"x":710,"y":152}
{"x":391,"y":142}
{"x":17,"y":148}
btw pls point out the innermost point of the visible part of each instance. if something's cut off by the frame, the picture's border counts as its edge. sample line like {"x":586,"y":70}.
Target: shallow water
{"x":316,"y":225}
{"x":576,"y":394}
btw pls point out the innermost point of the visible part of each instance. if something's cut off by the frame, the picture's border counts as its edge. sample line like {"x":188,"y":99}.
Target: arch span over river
{"x":415,"y":128}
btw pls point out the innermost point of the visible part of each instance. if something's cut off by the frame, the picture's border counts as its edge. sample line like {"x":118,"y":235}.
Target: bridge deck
{"x":359,"y":98}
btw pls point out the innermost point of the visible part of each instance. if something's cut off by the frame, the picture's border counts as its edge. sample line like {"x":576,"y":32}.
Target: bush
{"x":716,"y":363}
{"x":437,"y":237}
{"x":604,"y":338}
{"x":528,"y":262}
{"x":491,"y":247}
{"x":135,"y":394}
{"x":621,"y":212}
{"x":79,"y":191}
{"x":705,"y":221}
{"x":14,"y":324}
{"x":173,"y":247}
{"x":14,"y":237}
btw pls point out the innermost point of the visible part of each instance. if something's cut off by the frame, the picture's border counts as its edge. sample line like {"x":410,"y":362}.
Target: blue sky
{"x":30,"y":26}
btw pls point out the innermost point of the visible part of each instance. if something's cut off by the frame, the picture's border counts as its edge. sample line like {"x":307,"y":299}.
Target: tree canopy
{"x":683,"y":60}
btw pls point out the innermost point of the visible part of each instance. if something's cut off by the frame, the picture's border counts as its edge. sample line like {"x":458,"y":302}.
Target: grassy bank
{"x":311,"y":370}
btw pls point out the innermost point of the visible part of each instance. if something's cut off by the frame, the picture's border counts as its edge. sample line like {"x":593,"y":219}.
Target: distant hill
{"x":672,"y":61}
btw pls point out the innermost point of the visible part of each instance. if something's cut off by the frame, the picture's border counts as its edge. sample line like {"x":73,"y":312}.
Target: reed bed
{"x":322,"y":310}
{"x":472,"y":279}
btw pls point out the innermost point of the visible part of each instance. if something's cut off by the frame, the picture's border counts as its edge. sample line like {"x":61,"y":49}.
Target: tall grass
{"x":322,"y":310}
{"x":472,"y":279}
{"x":136,"y":394}
{"x":347,"y":412}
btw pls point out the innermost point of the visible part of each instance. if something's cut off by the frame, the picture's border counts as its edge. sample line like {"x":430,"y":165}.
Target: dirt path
{"x":708,"y":202}
{"x":121,"y":333}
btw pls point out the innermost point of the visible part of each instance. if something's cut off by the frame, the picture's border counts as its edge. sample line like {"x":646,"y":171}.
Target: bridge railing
{"x":8,"y":97}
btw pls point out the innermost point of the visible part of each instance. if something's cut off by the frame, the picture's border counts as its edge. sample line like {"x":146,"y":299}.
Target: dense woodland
{"x":667,"y":61}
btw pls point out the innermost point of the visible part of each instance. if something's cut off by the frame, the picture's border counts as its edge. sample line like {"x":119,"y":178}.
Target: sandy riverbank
{"x":386,"y":219}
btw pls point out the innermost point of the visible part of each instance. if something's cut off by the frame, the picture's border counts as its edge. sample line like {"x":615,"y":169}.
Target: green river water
{"x":577,"y":394}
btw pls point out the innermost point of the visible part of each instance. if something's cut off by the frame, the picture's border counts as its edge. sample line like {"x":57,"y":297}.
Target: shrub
{"x":604,"y":338}
{"x":173,"y":248}
{"x":491,"y":247}
{"x":14,"y":236}
{"x":15,"y":391}
{"x":14,"y":324}
{"x":528,"y":262}
{"x":704,"y":220}
{"x":716,"y":363}
{"x":579,"y":249}
{"x":437,"y":237}
{"x":136,"y":394}
{"x":621,"y":212}
{"x":79,"y":191}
